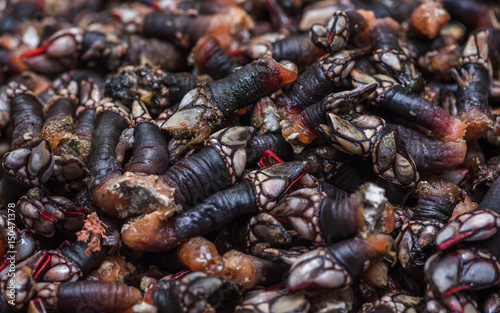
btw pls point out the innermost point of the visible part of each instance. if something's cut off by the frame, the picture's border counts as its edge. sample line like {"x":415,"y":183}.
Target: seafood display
{"x":205,"y":156}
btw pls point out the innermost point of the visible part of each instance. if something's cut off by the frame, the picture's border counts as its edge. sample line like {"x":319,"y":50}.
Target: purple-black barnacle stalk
{"x":206,"y":108}
{"x":155,"y":87}
{"x":474,"y":80}
{"x":150,"y":153}
{"x":248,"y":270}
{"x":440,"y":155}
{"x":391,"y":96}
{"x":4,"y":305}
{"x":474,"y":14}
{"x":209,"y":58}
{"x":111,"y":120}
{"x":269,"y":141}
{"x":319,"y":80}
{"x":324,"y":220}
{"x":85,"y":116}
{"x":213,"y":168}
{"x":258,"y":191}
{"x":183,"y":30}
{"x":26,"y":116}
{"x":336,"y":266}
{"x":88,"y":296}
{"x":303,"y":129}
{"x":415,"y":241}
{"x":147,"y":186}
{"x":400,"y":11}
{"x":298,"y":49}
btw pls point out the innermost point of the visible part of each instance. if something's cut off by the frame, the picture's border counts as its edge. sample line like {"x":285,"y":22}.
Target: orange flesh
{"x":454,"y":132}
{"x":428,"y":18}
{"x":381,"y":243}
{"x":288,"y":75}
{"x":478,"y":123}
{"x":114,"y":268}
{"x":144,"y":233}
{"x":306,"y":135}
{"x":239,"y":268}
{"x":130,"y":194}
{"x":465,"y":206}
{"x":58,"y":131}
{"x":200,"y":255}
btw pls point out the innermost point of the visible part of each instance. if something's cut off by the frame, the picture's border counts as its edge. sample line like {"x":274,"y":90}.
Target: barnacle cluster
{"x":249,"y":156}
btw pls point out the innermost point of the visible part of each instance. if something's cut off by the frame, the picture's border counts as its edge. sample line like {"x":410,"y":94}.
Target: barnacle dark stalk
{"x":85,"y":116}
{"x":474,"y":79}
{"x":320,"y":79}
{"x":335,"y":266}
{"x":209,"y":58}
{"x":26,"y":116}
{"x":104,"y":168}
{"x":391,"y":96}
{"x":280,"y":192}
{"x":324,"y":220}
{"x":205,"y":108}
{"x":91,"y":296}
{"x":302,"y":130}
{"x":150,"y":154}
{"x":439,"y":155}
{"x":257,"y":192}
{"x":295,"y":48}
{"x":184,"y":30}
{"x":437,"y":199}
{"x":268,"y":141}
{"x":474,"y":14}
